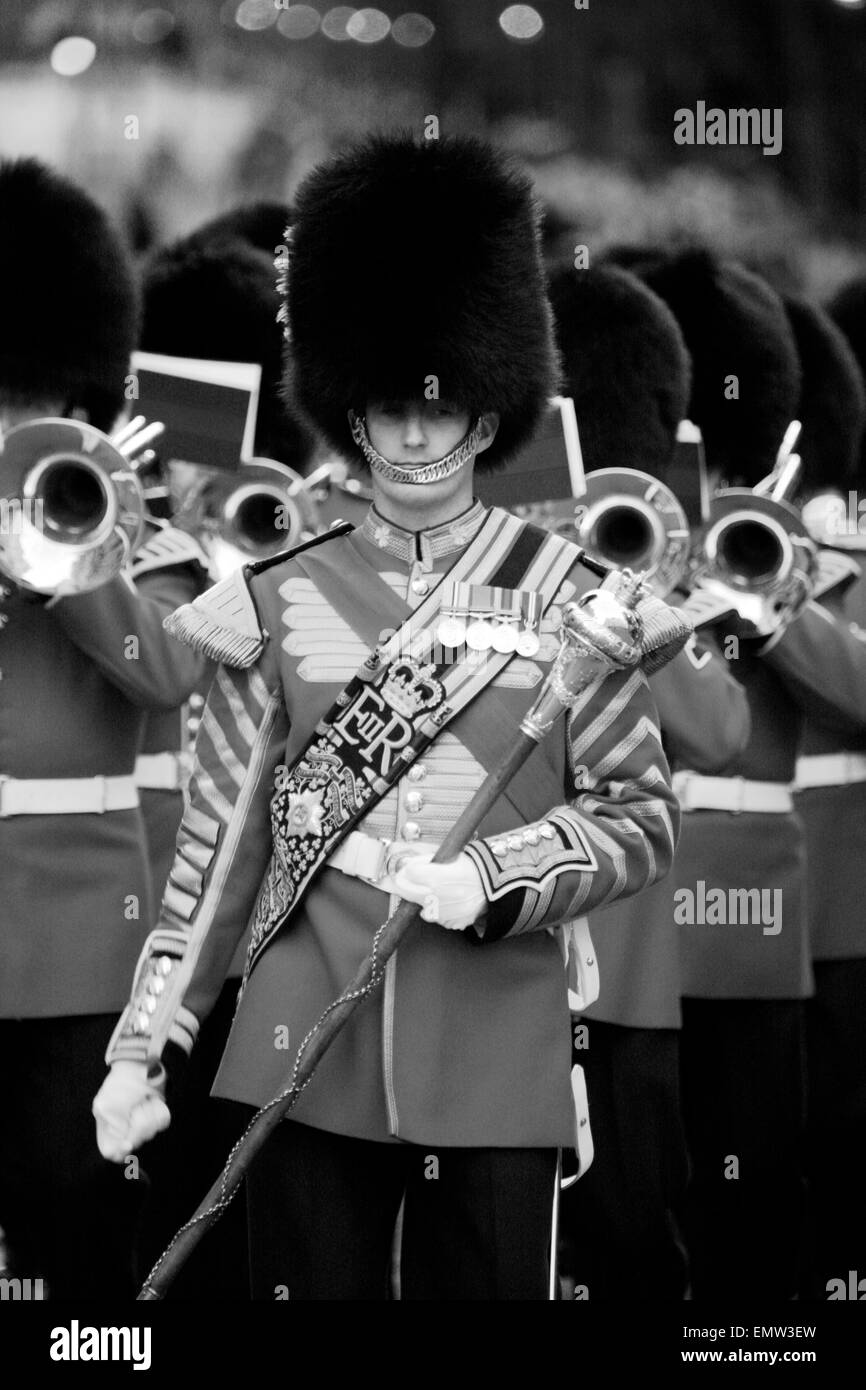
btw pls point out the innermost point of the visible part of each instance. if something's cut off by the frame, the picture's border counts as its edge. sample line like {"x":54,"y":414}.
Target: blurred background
{"x":172,"y":113}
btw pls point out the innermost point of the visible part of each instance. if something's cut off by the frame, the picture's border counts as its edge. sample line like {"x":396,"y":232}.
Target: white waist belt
{"x":734,"y":794}
{"x":363,"y":856}
{"x":63,"y":796}
{"x":168,"y":772}
{"x":830,"y":769}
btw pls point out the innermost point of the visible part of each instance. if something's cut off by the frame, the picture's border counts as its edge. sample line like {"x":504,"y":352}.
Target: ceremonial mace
{"x":600,"y":633}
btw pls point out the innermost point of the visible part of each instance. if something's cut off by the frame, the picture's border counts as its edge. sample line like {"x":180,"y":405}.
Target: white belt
{"x":62,"y":796}
{"x":734,"y":794}
{"x":830,"y":769}
{"x":364,"y":856}
{"x":168,"y":772}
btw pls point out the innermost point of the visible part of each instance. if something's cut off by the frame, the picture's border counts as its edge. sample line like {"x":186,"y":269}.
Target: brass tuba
{"x":240,"y":517}
{"x":631,"y":520}
{"x":71,"y":506}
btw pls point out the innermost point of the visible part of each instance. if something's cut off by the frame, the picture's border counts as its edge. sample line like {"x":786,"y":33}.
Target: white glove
{"x":129,"y":1109}
{"x":450,"y":894}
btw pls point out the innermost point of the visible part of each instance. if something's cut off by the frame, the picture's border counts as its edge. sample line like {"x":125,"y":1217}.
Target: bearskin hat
{"x":76,"y":348}
{"x":832,"y":405}
{"x":262,"y":224}
{"x":734,"y":325}
{"x":412,"y":264}
{"x":848,"y":310}
{"x":213,"y":295}
{"x":624,"y":364}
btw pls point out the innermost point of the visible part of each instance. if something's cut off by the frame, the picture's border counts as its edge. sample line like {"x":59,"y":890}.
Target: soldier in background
{"x":745,"y":982}
{"x":831,"y":778}
{"x":78,"y":674}
{"x":212,"y":296}
{"x":627,"y":370}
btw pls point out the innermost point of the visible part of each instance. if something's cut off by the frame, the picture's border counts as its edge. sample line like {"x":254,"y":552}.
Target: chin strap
{"x":428,"y":472}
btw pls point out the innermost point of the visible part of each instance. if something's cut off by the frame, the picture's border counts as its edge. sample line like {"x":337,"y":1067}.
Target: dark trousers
{"x":183,"y":1162}
{"x":743,"y":1091}
{"x":836,"y":1125}
{"x":620,"y":1238}
{"x":322,"y":1210}
{"x":69,"y":1215}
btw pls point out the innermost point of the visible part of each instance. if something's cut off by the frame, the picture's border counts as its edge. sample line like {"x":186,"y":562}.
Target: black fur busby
{"x":69,"y":306}
{"x":624,"y":364}
{"x":734,"y":326}
{"x":411,"y":262}
{"x":832,"y":405}
{"x":261,"y":224}
{"x":848,"y":310}
{"x":213,"y":295}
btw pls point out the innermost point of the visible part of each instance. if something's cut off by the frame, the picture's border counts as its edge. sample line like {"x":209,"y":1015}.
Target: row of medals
{"x":484,"y":634}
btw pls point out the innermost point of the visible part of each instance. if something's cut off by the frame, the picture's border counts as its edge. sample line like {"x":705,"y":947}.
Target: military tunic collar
{"x":424,"y":546}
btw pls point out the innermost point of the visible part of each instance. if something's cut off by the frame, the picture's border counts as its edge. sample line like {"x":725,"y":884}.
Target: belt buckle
{"x":101,"y":791}
{"x":380,"y":868}
{"x":684,"y":782}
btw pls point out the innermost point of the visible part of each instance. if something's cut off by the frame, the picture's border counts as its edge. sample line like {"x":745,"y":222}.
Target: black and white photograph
{"x":432,"y":672}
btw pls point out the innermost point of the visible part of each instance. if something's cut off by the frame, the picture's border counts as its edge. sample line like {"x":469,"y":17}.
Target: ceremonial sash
{"x":366,"y":603}
{"x":387,"y":715}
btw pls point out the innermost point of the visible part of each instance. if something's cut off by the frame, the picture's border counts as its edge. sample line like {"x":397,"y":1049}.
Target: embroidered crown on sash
{"x":410,"y":688}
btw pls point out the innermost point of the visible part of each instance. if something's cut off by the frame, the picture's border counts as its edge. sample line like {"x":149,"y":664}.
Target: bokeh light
{"x":152,"y":26}
{"x":299,"y":22}
{"x":412,"y":30}
{"x":256,"y":14}
{"x":368,"y":25}
{"x":335,"y":22}
{"x":521,"y":22}
{"x":70,"y":57}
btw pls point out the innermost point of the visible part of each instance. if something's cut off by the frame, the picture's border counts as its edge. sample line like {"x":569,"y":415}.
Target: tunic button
{"x":499,"y":848}
{"x":547,"y":831}
{"x":411,"y":830}
{"x":515,"y":842}
{"x":417,"y":772}
{"x":531,"y":836}
{"x":420,"y":586}
{"x":414,"y":801}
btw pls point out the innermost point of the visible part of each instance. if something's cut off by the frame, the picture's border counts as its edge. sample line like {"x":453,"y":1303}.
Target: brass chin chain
{"x":428,"y":472}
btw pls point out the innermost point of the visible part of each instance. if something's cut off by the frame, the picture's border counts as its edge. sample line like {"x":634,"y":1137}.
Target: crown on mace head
{"x":410,"y":688}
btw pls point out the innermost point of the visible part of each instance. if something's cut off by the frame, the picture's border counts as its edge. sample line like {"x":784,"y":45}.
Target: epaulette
{"x":835,"y":570}
{"x":164,"y":547}
{"x":223,"y":622}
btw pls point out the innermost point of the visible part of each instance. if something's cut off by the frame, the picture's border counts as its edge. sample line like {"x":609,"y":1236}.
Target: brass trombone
{"x":631,"y":520}
{"x":72,"y":507}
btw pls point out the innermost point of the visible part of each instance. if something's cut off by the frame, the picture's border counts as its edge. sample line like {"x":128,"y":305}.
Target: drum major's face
{"x":412,"y":433}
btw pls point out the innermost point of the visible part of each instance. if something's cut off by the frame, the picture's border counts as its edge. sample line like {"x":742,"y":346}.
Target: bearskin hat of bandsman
{"x":414,"y":271}
{"x":69,"y":303}
{"x":745,"y":368}
{"x":832,"y":406}
{"x":213,"y":295}
{"x":848,"y":311}
{"x":625,"y":365}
